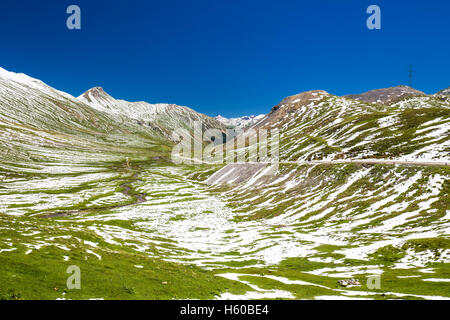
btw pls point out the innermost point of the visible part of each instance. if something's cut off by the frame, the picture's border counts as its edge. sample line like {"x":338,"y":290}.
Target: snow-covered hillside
{"x":318,"y":125}
{"x":41,"y":123}
{"x":161,"y":117}
{"x":444,"y":92}
{"x":38,"y":122}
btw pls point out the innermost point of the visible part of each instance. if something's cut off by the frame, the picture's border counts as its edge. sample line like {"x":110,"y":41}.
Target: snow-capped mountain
{"x":36,"y":119}
{"x":162,"y":117}
{"x":241,"y":123}
{"x":41,"y":123}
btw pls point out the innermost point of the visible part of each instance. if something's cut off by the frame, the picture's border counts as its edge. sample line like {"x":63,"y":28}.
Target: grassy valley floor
{"x":153,"y":230}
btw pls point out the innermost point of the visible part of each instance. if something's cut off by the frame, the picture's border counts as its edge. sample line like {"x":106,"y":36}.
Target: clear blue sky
{"x":229,"y":57}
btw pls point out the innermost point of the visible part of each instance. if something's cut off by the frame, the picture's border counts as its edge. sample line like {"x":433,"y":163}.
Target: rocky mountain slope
{"x":318,"y":125}
{"x":386,"y":95}
{"x":38,"y":122}
{"x":163,"y":118}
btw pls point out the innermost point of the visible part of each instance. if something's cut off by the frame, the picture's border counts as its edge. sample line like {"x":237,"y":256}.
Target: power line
{"x":410,"y":75}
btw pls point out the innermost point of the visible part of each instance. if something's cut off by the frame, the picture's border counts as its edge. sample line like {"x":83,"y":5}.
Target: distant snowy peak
{"x":386,"y":95}
{"x":241,"y":123}
{"x":444,"y":92}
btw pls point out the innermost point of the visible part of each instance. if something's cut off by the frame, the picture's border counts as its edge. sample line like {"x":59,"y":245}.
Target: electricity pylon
{"x":410,"y":75}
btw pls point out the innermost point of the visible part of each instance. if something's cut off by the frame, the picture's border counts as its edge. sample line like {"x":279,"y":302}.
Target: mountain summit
{"x":97,"y":98}
{"x":96,"y":92}
{"x":386,"y":95}
{"x":292,"y":105}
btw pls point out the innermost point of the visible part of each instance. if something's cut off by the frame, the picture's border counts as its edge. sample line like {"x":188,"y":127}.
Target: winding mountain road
{"x":374,"y":161}
{"x":362,"y":161}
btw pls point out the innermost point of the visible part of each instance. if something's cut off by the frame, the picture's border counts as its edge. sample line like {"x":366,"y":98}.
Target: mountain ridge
{"x":312,"y":124}
{"x":386,"y":95}
{"x":163,"y":117}
{"x":321,"y":126}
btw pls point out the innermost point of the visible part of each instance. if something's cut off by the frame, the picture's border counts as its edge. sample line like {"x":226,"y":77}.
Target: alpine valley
{"x":358,"y":207}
